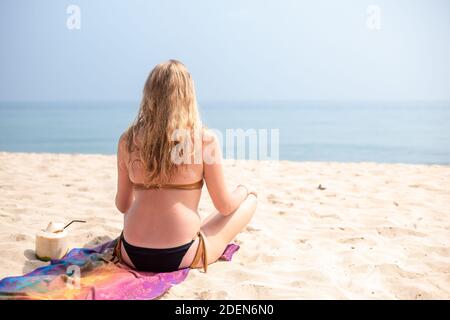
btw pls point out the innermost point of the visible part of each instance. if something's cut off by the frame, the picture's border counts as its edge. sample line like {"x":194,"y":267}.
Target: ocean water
{"x":394,"y":132}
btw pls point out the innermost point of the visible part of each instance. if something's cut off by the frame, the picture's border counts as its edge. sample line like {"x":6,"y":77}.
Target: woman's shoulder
{"x":123,"y":139}
{"x":208,"y":136}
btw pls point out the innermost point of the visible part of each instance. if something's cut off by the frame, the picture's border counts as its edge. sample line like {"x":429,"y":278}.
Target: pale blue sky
{"x":235,"y":49}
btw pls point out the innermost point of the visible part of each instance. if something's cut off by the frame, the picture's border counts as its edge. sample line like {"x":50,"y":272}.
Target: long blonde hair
{"x":168,"y":104}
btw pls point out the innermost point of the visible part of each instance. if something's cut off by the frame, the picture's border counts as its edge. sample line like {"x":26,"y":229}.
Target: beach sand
{"x":375,"y":231}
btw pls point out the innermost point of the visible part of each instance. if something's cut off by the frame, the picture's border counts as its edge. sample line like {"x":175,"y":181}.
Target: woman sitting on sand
{"x":160,"y":178}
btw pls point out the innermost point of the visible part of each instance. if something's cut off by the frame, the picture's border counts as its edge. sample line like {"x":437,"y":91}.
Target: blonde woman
{"x":159,"y":194}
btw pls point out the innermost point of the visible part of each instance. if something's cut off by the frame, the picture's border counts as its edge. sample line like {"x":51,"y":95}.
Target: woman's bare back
{"x":162,"y":218}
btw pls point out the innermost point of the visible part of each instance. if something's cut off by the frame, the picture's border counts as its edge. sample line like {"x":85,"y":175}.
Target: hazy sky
{"x":235,"y":49}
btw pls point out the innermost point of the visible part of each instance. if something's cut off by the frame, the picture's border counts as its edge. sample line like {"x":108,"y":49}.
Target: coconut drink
{"x":52,"y":242}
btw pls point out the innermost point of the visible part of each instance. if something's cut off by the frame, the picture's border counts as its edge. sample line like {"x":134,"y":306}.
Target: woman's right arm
{"x":225,"y":201}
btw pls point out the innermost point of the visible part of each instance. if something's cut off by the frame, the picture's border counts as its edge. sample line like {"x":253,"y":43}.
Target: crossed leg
{"x":220,"y":230}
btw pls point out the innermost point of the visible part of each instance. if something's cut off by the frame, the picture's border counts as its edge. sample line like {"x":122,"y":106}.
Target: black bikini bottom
{"x":156,"y":260}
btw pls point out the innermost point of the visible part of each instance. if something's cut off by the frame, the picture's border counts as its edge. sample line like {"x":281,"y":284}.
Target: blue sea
{"x":393,"y":132}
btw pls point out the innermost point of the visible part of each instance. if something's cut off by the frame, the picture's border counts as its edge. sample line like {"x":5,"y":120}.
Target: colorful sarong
{"x":90,"y":274}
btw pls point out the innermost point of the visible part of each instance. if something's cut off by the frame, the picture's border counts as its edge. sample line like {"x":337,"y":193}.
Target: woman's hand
{"x":248,"y":190}
{"x":253,"y":192}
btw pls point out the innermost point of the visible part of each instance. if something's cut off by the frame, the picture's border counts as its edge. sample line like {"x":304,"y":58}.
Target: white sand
{"x":376,"y":231}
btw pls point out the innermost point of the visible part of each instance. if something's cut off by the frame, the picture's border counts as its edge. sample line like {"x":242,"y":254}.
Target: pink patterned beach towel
{"x":89,"y":274}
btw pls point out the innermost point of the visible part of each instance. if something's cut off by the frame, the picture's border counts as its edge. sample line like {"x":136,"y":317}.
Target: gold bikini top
{"x":188,"y":186}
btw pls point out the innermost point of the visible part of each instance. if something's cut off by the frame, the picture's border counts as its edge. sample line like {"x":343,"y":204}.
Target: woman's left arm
{"x":124,"y":196}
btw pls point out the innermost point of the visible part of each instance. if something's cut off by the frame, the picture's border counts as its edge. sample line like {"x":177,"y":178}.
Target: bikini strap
{"x":117,"y":252}
{"x":188,"y":186}
{"x":201,"y":253}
